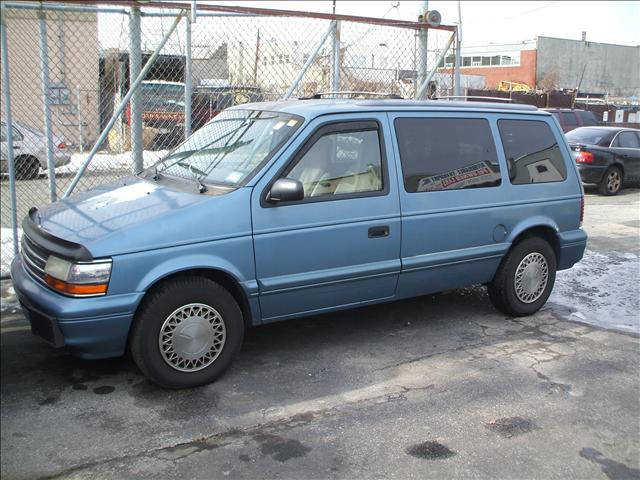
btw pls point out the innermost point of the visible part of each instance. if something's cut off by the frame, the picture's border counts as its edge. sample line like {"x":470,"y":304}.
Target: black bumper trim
{"x":42,"y":325}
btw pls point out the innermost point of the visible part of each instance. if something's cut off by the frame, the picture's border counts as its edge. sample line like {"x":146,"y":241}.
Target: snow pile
{"x":102,"y":162}
{"x":603,"y":289}
{"x":6,"y":249}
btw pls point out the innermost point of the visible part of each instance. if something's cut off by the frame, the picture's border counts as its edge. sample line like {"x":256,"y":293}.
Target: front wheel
{"x":611,"y":182}
{"x":525,"y":278}
{"x":186,"y":333}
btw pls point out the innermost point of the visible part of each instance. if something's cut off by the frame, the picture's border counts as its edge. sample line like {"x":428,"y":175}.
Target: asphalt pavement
{"x":440,"y":386}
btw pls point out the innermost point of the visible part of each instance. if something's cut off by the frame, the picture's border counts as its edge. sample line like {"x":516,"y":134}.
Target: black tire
{"x":502,"y":290}
{"x":611,"y":182}
{"x":27,"y":168}
{"x":159,"y":305}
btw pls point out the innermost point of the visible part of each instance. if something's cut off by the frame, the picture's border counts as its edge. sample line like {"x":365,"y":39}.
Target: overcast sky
{"x":499,"y":22}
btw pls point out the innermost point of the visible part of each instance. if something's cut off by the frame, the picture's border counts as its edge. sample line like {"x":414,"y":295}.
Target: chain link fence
{"x":71,"y":66}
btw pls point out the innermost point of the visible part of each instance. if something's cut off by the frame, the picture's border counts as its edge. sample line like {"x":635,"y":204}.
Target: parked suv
{"x":278,"y":210}
{"x":570,"y":118}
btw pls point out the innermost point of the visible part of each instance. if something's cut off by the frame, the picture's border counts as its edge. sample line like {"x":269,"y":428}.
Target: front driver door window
{"x":340,"y":163}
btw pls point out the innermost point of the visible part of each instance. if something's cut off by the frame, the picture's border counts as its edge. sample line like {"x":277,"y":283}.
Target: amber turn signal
{"x":75,"y":289}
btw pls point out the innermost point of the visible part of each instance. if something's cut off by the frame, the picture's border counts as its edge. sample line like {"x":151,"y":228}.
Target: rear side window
{"x":569,"y":119}
{"x":446,"y":154}
{"x":533,"y":155}
{"x":588,"y":119}
{"x":627,"y":140}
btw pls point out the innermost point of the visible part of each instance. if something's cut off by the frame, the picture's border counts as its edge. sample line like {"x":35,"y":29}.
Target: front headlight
{"x":77,"y":279}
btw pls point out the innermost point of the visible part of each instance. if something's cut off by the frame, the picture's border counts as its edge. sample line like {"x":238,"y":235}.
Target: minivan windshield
{"x":230,"y":148}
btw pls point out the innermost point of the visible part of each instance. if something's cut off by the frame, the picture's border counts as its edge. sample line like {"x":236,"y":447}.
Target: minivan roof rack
{"x":352,"y":94}
{"x":475,"y":97}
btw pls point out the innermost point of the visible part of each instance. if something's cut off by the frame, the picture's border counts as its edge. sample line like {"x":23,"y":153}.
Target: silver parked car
{"x":30,"y":151}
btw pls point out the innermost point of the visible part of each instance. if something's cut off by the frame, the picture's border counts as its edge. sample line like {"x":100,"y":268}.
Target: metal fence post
{"x":193,"y":11}
{"x":132,"y":88}
{"x":44,"y":75}
{"x":457,"y":88}
{"x":335,"y":59}
{"x":135,"y":64}
{"x":456,"y":71}
{"x":188,"y":78}
{"x":79,"y":100}
{"x":423,"y":87}
{"x":423,"y":53}
{"x":7,"y":118}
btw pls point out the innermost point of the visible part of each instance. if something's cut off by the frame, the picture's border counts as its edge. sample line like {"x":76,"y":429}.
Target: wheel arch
{"x":619,"y":164}
{"x":546,"y":230}
{"x":222,"y":277}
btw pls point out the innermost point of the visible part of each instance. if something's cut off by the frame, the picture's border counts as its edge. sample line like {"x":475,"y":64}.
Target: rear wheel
{"x":186,"y":333}
{"x":611,"y":182}
{"x":27,"y":168}
{"x":525,"y":278}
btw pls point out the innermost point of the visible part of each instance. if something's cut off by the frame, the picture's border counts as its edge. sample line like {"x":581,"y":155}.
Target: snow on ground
{"x":603,"y":289}
{"x":6,"y":249}
{"x":109,"y":161}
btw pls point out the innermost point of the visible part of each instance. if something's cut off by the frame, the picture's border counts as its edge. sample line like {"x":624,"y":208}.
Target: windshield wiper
{"x":194,"y":172}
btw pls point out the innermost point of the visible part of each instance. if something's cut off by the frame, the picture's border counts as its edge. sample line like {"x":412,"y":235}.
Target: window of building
{"x":482,"y":60}
{"x":533,"y":155}
{"x":446,"y":154}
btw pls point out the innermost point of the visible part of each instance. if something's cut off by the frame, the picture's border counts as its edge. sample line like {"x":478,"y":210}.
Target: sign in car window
{"x":473,"y":175}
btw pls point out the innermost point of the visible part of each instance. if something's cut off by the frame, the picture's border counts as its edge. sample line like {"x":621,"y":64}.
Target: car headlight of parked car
{"x":77,"y":279}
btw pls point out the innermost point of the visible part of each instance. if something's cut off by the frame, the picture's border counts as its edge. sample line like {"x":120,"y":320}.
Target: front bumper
{"x":591,"y":173}
{"x":93,"y":327}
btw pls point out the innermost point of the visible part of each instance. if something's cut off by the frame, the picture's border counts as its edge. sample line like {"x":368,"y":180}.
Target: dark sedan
{"x":606,"y":156}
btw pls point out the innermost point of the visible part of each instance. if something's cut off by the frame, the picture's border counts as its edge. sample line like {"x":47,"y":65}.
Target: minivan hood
{"x":133,"y":214}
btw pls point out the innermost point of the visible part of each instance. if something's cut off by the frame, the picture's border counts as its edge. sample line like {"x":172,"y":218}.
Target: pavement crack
{"x":552,"y":385}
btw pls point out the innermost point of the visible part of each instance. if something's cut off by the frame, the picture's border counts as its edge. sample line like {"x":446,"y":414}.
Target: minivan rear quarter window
{"x":446,"y":154}
{"x":533,"y":155}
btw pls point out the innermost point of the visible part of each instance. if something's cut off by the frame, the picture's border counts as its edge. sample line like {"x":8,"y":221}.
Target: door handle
{"x":379,"y":231}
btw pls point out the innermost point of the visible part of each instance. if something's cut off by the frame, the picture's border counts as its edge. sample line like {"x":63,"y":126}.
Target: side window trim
{"x":333,"y":126}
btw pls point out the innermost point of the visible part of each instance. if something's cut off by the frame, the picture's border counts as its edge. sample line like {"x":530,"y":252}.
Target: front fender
{"x":139,"y":271}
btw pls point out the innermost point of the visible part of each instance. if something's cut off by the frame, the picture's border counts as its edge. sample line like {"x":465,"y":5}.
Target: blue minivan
{"x":278,"y":210}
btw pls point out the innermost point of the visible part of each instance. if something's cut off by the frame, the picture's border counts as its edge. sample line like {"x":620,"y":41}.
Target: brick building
{"x":554,"y":63}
